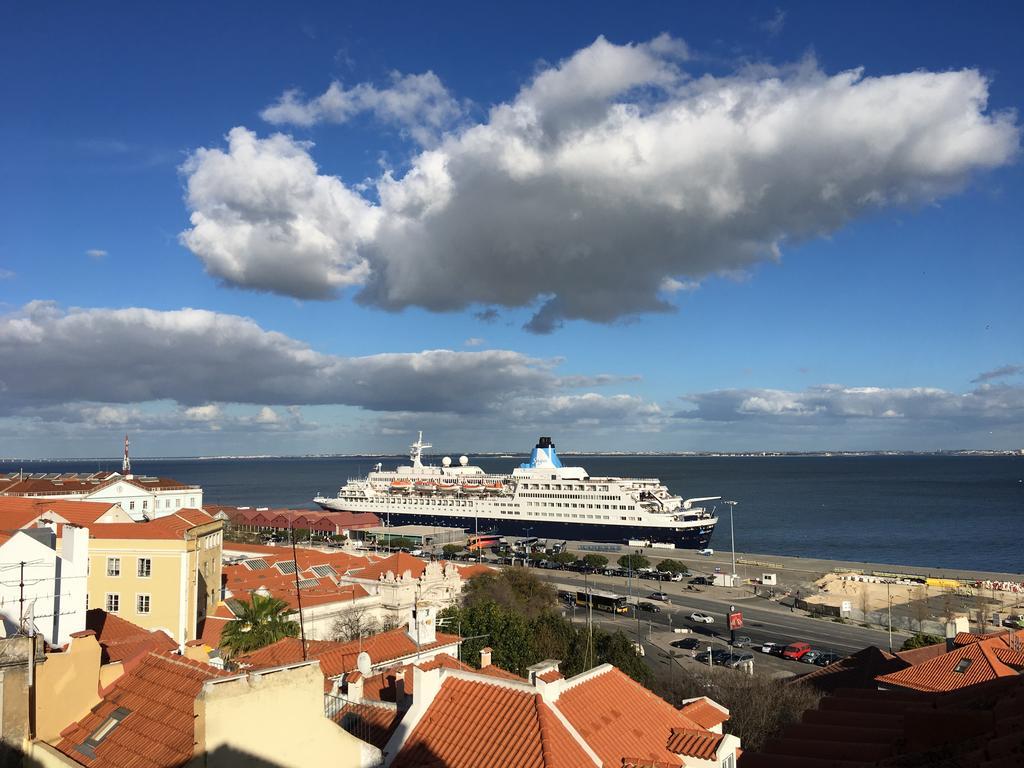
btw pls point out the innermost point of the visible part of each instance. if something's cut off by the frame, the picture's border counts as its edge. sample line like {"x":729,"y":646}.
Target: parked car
{"x":1014,"y":621}
{"x":810,"y":656}
{"x":736,"y":659}
{"x":707,"y":552}
{"x":768,"y":647}
{"x":741,"y":641}
{"x":825,"y":659}
{"x":778,"y":650}
{"x":702,"y":618}
{"x":687,"y":643}
{"x":701,"y":581}
{"x":658,"y":596}
{"x":717,"y":657}
{"x":794,"y":651}
{"x":649,"y":607}
{"x":639,"y":648}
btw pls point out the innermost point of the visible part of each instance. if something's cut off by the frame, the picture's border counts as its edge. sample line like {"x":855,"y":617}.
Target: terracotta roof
{"x":373,"y":723}
{"x":241,"y":580}
{"x":619,"y":718}
{"x":469,"y":571}
{"x":299,"y":518}
{"x":858,"y":670}
{"x":171,"y":526}
{"x":19,"y":511}
{"x":694,"y":743}
{"x":156,"y":701}
{"x":704,"y":712}
{"x":548,"y":677}
{"x":474,"y":723}
{"x":121,"y":640}
{"x":213,"y":625}
{"x":968,"y":665}
{"x":338,"y":658}
{"x":73,"y":484}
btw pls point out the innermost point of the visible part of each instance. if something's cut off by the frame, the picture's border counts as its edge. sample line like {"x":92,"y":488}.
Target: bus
{"x":603,"y":601}
{"x":482,"y":541}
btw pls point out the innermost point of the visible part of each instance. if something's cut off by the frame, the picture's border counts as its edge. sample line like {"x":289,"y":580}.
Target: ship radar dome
{"x":446,"y":461}
{"x":463,"y":460}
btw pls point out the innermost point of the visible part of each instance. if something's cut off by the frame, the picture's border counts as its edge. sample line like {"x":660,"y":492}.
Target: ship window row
{"x":567,"y":505}
{"x":569,"y":496}
{"x":414,"y":502}
{"x":563,"y":487}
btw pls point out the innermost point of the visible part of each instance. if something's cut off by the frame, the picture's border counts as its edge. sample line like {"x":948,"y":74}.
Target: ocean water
{"x":942,"y":511}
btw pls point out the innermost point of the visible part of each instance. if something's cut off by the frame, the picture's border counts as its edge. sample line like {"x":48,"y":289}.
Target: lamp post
{"x":888,"y":599}
{"x":732,"y":535}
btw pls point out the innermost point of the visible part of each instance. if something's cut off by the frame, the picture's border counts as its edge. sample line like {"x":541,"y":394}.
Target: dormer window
{"x":962,"y":665}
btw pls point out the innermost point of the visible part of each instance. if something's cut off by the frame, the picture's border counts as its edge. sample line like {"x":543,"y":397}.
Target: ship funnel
{"x":544,"y":456}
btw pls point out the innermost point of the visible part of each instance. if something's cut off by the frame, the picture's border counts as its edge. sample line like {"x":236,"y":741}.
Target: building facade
{"x":164,"y":574}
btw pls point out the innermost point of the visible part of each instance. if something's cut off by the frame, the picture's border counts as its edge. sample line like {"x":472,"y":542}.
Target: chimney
{"x":549,"y":689}
{"x":422,"y":624}
{"x":955,"y":627}
{"x":354,"y":686}
{"x":485,"y":657}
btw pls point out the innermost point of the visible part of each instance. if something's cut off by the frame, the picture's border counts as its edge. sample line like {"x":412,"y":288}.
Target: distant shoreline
{"x":507,"y":455}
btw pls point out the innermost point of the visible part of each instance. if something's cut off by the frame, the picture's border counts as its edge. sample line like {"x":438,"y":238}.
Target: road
{"x":762,"y":621}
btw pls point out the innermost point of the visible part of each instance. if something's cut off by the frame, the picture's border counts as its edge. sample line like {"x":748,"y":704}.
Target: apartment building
{"x":163,"y":574}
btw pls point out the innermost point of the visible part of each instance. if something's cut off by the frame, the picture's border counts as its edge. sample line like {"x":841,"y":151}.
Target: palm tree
{"x":257,"y":623}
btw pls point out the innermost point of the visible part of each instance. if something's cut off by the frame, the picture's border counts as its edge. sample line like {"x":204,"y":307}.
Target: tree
{"x":759,"y":705}
{"x":920,"y":640}
{"x":595,"y":561}
{"x":865,"y":604}
{"x":562,"y":558}
{"x":633,"y":562}
{"x":259,"y":622}
{"x":919,"y":606}
{"x":450,"y":550}
{"x":517,"y":589}
{"x":672,"y":566}
{"x":399,"y":542}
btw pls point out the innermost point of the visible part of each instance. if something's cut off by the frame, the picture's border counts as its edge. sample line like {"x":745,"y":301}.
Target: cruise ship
{"x":540,"y":498}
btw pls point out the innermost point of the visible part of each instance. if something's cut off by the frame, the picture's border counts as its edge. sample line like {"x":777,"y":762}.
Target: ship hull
{"x":695,"y":537}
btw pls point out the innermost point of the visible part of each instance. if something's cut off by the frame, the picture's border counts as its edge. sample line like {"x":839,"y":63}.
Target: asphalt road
{"x":762,"y":621}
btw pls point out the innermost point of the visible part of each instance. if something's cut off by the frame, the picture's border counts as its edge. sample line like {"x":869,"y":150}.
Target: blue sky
{"x":692,"y":227}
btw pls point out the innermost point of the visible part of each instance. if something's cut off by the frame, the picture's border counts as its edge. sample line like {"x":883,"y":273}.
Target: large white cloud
{"x":197,"y":358}
{"x":611,"y":178}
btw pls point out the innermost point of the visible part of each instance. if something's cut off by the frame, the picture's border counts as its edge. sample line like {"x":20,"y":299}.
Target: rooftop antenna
{"x":126,"y":462}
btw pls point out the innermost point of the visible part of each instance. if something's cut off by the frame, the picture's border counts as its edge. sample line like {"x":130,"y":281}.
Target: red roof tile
{"x":70,"y":484}
{"x":694,"y":743}
{"x":171,"y":526}
{"x":968,"y":665}
{"x":158,"y":730}
{"x":121,"y":640}
{"x":704,"y":713}
{"x":26,"y":509}
{"x":471,"y":724}
{"x":548,"y":677}
{"x":619,"y":718}
{"x":399,"y":564}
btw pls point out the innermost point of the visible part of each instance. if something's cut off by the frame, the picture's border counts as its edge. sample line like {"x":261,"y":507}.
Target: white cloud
{"x":610,"y":179}
{"x":831,"y":403}
{"x":198,"y":358}
{"x":418,"y":104}
{"x":474,"y":341}
{"x":6,"y":274}
{"x":96,"y":253}
{"x":998,"y":373}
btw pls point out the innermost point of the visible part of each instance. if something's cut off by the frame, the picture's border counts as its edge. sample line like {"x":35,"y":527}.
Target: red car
{"x":795,"y":650}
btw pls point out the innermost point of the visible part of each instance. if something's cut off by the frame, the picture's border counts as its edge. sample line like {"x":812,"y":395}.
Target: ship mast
{"x":416,"y":451}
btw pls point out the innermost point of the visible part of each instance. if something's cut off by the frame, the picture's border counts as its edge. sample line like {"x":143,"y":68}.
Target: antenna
{"x":126,"y":462}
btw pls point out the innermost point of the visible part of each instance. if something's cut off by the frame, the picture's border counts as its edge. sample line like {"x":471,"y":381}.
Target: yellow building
{"x":163,"y":574}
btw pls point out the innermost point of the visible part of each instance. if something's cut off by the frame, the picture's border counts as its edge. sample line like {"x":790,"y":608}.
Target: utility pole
{"x":888,"y":599}
{"x":732,"y":535}
{"x":298,"y":592}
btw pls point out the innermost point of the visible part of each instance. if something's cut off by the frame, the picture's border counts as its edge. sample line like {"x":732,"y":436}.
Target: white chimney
{"x":485,"y":657}
{"x":354,"y":686}
{"x":422,"y":624}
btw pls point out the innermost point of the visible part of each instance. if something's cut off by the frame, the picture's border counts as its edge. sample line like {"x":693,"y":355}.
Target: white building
{"x":142,"y":497}
{"x":42,"y":587}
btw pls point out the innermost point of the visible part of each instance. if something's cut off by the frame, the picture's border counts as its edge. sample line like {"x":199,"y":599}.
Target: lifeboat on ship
{"x":401,"y":486}
{"x":472,"y":488}
{"x":447,"y":487}
{"x":426,"y":486}
{"x":496,"y":487}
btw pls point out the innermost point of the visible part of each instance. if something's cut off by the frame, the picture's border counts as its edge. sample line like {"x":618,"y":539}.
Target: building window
{"x":145,"y":568}
{"x":145,"y":504}
{"x":113,"y":566}
{"x":167,"y":503}
{"x":142,"y":603}
{"x":113,"y":602}
{"x":131,"y":505}
{"x":191,"y":501}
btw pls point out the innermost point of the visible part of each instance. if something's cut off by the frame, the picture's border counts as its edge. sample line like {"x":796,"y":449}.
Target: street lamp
{"x":732,"y":535}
